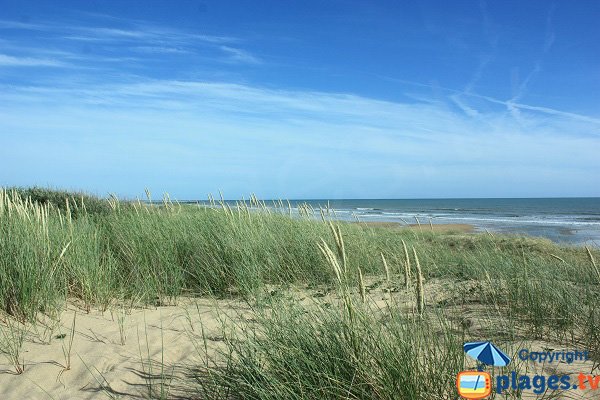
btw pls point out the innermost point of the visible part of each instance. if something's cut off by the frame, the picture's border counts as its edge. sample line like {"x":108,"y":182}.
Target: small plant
{"x":361,"y":286}
{"x":419,"y":287}
{"x":386,"y":269}
{"x":593,"y":261}
{"x":12,"y":336}
{"x":100,"y":379}
{"x":406,"y":266}
{"x":45,"y":326}
{"x":69,"y":347}
{"x":121,"y":322}
{"x":148,"y":368}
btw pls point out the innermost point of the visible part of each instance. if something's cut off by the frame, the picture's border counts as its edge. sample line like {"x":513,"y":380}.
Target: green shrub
{"x":78,"y":202}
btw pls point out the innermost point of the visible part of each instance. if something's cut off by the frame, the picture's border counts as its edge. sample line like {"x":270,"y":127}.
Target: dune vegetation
{"x":339,"y":309}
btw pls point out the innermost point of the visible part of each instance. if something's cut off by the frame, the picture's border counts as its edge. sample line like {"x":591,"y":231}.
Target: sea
{"x":574,"y":221}
{"x":569,"y":220}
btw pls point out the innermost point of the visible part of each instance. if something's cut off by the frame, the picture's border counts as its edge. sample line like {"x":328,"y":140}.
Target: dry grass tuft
{"x":419,"y":288}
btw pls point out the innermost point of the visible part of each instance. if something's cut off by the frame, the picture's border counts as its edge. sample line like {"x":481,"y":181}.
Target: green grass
{"x":294,"y":354}
{"x":56,"y":246}
{"x":77,"y":203}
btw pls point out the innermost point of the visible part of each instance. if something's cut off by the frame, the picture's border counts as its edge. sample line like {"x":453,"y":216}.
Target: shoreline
{"x":562,"y":236}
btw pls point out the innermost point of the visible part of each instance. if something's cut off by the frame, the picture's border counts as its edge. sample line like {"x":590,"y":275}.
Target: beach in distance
{"x":574,"y":221}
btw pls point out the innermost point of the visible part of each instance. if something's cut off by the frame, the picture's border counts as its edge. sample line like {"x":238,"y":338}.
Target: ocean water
{"x":564,"y":220}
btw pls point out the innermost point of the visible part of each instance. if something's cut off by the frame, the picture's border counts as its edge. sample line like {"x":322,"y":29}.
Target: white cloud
{"x":4,"y":24}
{"x":245,"y":138}
{"x":10,"y":61}
{"x":239,"y":55}
{"x":542,"y":110}
{"x":131,"y":36}
{"x":144,"y":33}
{"x":160,"y":50}
{"x":120,"y":126}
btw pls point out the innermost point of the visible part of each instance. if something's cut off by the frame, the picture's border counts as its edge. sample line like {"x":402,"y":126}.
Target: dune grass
{"x":293,"y":353}
{"x":103,"y":252}
{"x":355,"y":348}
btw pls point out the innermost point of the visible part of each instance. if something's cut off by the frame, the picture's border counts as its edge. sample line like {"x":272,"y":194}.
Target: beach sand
{"x":100,"y":364}
{"x":443,"y":228}
{"x":102,"y":367}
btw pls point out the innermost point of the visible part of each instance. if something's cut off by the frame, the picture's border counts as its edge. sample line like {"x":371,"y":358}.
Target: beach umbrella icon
{"x":486,"y":353}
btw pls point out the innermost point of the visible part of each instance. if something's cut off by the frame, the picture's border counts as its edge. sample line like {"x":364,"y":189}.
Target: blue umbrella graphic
{"x":486,"y":353}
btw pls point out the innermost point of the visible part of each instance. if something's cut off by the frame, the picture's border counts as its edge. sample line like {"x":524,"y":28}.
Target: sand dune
{"x":100,"y":363}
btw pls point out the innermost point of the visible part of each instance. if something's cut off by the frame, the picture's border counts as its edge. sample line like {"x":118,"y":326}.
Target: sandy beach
{"x":441,"y":228}
{"x":158,"y":346}
{"x":102,"y":364}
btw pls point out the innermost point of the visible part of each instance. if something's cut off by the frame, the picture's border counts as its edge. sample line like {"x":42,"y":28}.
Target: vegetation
{"x":56,"y":246}
{"x":76,"y":203}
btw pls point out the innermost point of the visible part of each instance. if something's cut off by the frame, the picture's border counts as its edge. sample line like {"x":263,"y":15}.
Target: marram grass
{"x":59,"y":246}
{"x":151,"y":253}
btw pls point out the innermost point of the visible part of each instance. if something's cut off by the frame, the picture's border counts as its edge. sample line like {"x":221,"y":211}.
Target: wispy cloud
{"x":4,"y":24}
{"x":138,"y":113}
{"x":11,"y":61}
{"x":220,"y":131}
{"x":160,"y":50}
{"x":133,"y":35}
{"x":484,"y":60}
{"x":543,"y":110}
{"x":146,"y":33}
{"x":550,"y":36}
{"x":115,"y":33}
{"x":514,"y":104}
{"x":239,"y":55}
{"x":242,"y":138}
{"x":139,"y":30}
{"x":520,"y":88}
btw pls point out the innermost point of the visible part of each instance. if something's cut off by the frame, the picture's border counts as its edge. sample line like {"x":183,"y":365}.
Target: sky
{"x":302,"y":99}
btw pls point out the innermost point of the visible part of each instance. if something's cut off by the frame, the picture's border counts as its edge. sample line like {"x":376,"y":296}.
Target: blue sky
{"x":307,"y":99}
